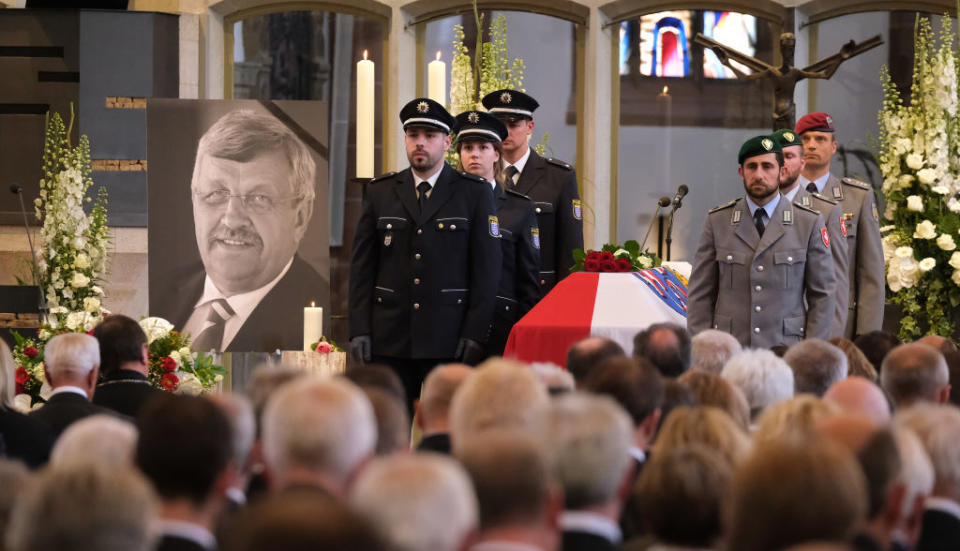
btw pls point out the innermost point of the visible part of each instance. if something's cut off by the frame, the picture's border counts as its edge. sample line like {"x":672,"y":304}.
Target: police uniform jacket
{"x":519,"y":287}
{"x":765,"y":291}
{"x":552,"y":185}
{"x":832,"y":213}
{"x":421,"y":281}
{"x":865,"y":253}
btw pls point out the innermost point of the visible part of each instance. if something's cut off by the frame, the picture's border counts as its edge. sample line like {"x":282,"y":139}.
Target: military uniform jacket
{"x":832,"y":213}
{"x":519,"y":287}
{"x":421,"y":281}
{"x":552,"y":185}
{"x":865,"y":253}
{"x":765,"y":291}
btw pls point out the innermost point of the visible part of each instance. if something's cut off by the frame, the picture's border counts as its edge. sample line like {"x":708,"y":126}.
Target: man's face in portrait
{"x":249,"y":219}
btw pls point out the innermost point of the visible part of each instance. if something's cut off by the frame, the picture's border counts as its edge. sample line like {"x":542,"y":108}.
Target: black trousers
{"x":412,"y":372}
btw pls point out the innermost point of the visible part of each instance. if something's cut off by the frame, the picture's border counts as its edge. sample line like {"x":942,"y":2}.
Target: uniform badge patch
{"x":826,"y":236}
{"x":805,"y":200}
{"x":387,"y":239}
{"x":535,"y":234}
{"x":494,"y":226}
{"x":423,"y":107}
{"x":788,"y":217}
{"x":837,"y":194}
{"x":843,"y":226}
{"x":577,"y":209}
{"x":736,"y":217}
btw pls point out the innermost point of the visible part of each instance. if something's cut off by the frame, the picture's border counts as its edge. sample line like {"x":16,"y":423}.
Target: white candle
{"x":312,"y":325}
{"x":437,"y":81}
{"x":365,"y":112}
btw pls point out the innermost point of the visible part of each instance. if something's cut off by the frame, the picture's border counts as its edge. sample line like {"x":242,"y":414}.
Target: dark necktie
{"x":218,"y":312}
{"x":811,"y":188}
{"x":512,"y":174}
{"x":758,"y":221}
{"x":422,"y":189}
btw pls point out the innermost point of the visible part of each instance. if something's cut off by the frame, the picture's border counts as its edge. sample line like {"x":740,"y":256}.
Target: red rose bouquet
{"x":614,"y":258}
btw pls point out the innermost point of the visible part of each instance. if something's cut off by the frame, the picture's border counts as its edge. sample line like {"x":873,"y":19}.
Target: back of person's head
{"x":666,"y":345}
{"x":680,"y":495}
{"x":239,"y":414}
{"x":711,"y":349}
{"x":943,"y":344}
{"x":711,"y":389}
{"x":675,"y":395}
{"x":511,"y":476}
{"x":875,"y":345}
{"x":264,"y":381}
{"x":860,"y":396}
{"x":938,"y":428}
{"x":302,"y":520}
{"x":8,"y":370}
{"x":70,"y":356}
{"x":764,"y":379}
{"x":500,"y":394}
{"x":14,"y":479}
{"x":393,"y":421}
{"x":554,"y":378}
{"x":121,"y":341}
{"x":439,"y":386}
{"x":420,"y":502}
{"x":913,"y":373}
{"x":83,"y":505}
{"x":789,"y":492}
{"x":325,"y":427}
{"x":377,"y":376}
{"x":816,"y":366}
{"x":707,"y":426}
{"x":184,"y":446}
{"x":857,"y":363}
{"x":101,"y":439}
{"x":636,"y":386}
{"x":585,"y":354}
{"x":588,"y":439}
{"x":794,"y":419}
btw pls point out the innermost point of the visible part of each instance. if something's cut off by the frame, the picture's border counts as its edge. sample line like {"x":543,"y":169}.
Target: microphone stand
{"x":669,"y":228}
{"x":42,"y":301}
{"x":662,"y":202}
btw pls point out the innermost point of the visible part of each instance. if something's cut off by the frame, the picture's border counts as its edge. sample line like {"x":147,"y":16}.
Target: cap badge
{"x":423,"y":107}
{"x":767,"y":144}
{"x":473,"y":117}
{"x":789,"y":136}
{"x":506,"y":97}
{"x":829,"y":120}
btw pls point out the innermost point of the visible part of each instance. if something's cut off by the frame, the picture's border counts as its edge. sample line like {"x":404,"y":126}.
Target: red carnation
{"x":30,"y":352}
{"x":593,"y":255}
{"x":169,"y":364}
{"x":22,"y":375}
{"x":607,"y":255}
{"x":169,"y":381}
{"x":608,"y":265}
{"x":591,"y":265}
{"x":323,"y":347}
{"x":624,"y":264}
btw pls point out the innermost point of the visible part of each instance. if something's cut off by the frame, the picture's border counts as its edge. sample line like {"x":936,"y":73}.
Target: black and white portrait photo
{"x":253,"y":177}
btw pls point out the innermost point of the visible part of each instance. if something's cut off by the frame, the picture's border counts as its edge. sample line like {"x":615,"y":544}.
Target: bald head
{"x":588,"y":353}
{"x":859,"y":396}
{"x":433,"y":408}
{"x":849,"y":430}
{"x":915,"y":372}
{"x":942,"y":344}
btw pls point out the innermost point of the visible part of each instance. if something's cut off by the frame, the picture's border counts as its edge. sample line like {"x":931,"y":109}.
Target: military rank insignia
{"x":826,"y":237}
{"x":535,"y":234}
{"x":837,"y":194}
{"x":577,"y":209}
{"x":494,"y":224}
{"x":788,"y":217}
{"x":843,"y":226}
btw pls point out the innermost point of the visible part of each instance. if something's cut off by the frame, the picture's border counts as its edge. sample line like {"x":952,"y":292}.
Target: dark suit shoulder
{"x":724,"y":206}
{"x":557,"y":162}
{"x":473,"y":177}
{"x":384,"y":177}
{"x":857,"y":184}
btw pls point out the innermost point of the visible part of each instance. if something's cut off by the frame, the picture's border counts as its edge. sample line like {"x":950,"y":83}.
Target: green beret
{"x":757,"y":145}
{"x":786,"y":138}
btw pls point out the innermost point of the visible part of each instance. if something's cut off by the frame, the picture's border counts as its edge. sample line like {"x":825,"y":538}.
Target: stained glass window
{"x":665,"y":39}
{"x":737,"y":30}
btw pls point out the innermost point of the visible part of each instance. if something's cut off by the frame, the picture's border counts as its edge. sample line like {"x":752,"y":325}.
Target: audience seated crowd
{"x":680,"y":444}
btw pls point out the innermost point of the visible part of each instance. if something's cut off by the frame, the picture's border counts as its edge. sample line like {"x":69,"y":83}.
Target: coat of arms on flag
{"x":665,"y":284}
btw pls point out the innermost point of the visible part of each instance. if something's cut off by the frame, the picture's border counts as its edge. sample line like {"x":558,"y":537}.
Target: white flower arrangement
{"x":920,"y":161}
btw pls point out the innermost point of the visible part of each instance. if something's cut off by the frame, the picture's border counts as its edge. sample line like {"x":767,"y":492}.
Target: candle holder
{"x":361,"y":182}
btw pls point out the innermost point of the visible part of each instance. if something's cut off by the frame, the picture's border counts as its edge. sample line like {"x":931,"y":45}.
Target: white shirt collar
{"x":591,"y":523}
{"x":943,"y":505}
{"x":70,"y":389}
{"x":768,"y":208}
{"x":498,"y":545}
{"x":432,"y":180}
{"x":821,"y":182}
{"x":523,"y":161}
{"x":243,"y":305}
{"x":792,"y":193}
{"x":188,"y":531}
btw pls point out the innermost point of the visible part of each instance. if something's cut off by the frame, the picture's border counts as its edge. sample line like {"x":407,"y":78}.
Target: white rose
{"x":644,"y":261}
{"x":97,"y":290}
{"x":185,"y":351}
{"x":82,"y":261}
{"x":175,"y":356}
{"x":942,"y":190}
{"x":956,"y":277}
{"x":79,"y":280}
{"x":190,"y":385}
{"x":925,"y":230}
{"x":953,"y":204}
{"x":903,"y":252}
{"x":915,"y":161}
{"x":927,"y":176}
{"x":74,"y":320}
{"x":905,"y":180}
{"x":915,"y":203}
{"x":91,"y":304}
{"x":954,"y":261}
{"x":927,"y":264}
{"x":155,"y":328}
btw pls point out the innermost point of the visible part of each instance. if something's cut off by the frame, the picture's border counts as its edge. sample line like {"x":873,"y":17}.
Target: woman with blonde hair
{"x":704,"y":425}
{"x":857,"y":363}
{"x":711,"y":389}
{"x":794,"y":419}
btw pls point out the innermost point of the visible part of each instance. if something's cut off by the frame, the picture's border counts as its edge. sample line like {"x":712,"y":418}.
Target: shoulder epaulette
{"x":824,"y":198}
{"x":559,"y":163}
{"x":386,"y":176}
{"x":723,"y":206}
{"x":518,"y":194}
{"x":808,"y":209}
{"x":470,"y":176}
{"x":857,"y":183}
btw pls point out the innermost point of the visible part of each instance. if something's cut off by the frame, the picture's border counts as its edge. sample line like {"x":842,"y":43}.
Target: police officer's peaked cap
{"x":786,"y":138}
{"x":427,"y":113}
{"x":758,"y":145}
{"x":510,"y":104}
{"x":478,"y":125}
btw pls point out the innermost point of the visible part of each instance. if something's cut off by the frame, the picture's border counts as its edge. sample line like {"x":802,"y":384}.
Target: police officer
{"x":830,"y":210}
{"x":550,"y":183}
{"x":479,"y":136}
{"x":862,"y":224}
{"x":425,"y":258}
{"x":763,"y":270}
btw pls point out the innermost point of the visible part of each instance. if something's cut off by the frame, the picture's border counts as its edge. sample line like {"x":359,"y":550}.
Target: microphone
{"x":678,"y":197}
{"x":664,"y":202}
{"x":17,"y":189}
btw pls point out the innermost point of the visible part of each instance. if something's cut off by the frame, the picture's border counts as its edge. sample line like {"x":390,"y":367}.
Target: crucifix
{"x":786,"y":76}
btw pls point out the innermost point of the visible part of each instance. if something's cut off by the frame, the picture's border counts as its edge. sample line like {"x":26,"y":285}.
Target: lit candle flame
{"x":666,"y":90}
{"x":364,"y":55}
{"x":438,"y":55}
{"x":313,"y":304}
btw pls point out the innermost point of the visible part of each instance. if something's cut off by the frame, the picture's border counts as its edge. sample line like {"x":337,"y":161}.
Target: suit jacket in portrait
{"x":276,"y":322}
{"x":124,"y":391}
{"x":769,"y":290}
{"x":552,"y":185}
{"x":26,"y":439}
{"x":63,"y":409}
{"x":939,"y":531}
{"x":419,"y":282}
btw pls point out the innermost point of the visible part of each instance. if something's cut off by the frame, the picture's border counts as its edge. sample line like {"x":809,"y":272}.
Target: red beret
{"x":820,"y":122}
